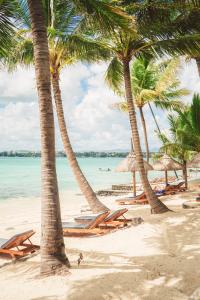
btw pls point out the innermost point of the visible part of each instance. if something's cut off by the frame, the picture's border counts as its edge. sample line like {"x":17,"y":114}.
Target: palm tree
{"x":156,"y":83}
{"x":67,"y":47}
{"x":53,"y":257}
{"x":125,"y":46}
{"x":184,"y":139}
{"x":123,"y":50}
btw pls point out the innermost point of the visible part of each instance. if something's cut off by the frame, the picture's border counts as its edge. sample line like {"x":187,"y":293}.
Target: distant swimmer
{"x":105,"y":170}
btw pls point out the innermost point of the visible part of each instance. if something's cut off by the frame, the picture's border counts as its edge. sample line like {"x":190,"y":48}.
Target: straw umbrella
{"x":129,"y":165}
{"x":166,"y":163}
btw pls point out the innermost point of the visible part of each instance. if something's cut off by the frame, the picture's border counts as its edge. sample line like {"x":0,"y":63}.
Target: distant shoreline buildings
{"x":94,"y":154}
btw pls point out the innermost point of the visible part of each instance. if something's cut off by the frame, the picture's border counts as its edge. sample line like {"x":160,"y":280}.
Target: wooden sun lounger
{"x":114,"y":219}
{"x":75,"y":229}
{"x":175,"y":188}
{"x":16,"y":246}
{"x":140,"y":199}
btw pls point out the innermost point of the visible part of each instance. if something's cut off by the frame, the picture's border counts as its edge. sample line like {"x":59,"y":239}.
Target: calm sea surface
{"x":20,"y":177}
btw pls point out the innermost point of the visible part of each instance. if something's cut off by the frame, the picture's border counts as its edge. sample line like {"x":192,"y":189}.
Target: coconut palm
{"x":156,"y":83}
{"x":184,"y":138}
{"x":53,"y":257}
{"x":67,"y":47}
{"x":125,"y":46}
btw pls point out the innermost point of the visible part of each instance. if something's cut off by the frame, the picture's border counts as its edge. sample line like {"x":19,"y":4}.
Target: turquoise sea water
{"x":20,"y":177}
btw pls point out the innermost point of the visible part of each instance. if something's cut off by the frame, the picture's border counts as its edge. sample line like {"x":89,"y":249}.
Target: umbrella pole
{"x":176,"y":174}
{"x":166,"y":178}
{"x":185,"y":174}
{"x":134,"y":185}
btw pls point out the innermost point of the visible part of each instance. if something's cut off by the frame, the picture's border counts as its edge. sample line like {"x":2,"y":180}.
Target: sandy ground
{"x":157,"y":260}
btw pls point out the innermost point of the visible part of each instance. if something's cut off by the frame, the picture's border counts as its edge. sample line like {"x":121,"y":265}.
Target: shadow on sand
{"x":170,"y":276}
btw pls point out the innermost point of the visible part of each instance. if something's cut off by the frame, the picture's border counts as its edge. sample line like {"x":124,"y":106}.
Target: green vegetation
{"x":184,"y":138}
{"x":155,"y":83}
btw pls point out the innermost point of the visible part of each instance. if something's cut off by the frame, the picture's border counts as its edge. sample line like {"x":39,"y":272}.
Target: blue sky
{"x":92,"y":124}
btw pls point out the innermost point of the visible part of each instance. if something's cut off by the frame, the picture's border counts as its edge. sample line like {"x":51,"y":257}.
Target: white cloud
{"x":86,"y":99}
{"x":19,"y":126}
{"x":17,"y":86}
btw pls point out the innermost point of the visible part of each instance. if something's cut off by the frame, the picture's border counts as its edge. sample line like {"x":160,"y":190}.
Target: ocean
{"x":20,"y":177}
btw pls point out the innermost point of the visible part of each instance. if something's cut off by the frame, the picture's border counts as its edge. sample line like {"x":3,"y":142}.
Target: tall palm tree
{"x":122,"y":47}
{"x":67,"y":47}
{"x":156,"y":83}
{"x":53,"y":257}
{"x":125,"y":46}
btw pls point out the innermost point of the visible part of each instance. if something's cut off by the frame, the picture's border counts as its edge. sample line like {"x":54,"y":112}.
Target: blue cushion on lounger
{"x":3,"y":242}
{"x":74,"y":225}
{"x":87,"y":218}
{"x":160,"y":192}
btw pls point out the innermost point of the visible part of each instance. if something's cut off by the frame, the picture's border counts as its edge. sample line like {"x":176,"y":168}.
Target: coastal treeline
{"x":78,"y":154}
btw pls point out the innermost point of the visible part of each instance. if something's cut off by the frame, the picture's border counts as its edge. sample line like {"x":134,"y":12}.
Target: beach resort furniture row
{"x":142,"y":199}
{"x":96,"y":224}
{"x":20,"y":245}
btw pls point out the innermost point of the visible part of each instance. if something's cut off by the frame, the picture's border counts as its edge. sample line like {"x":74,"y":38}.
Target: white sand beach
{"x":156,"y":260}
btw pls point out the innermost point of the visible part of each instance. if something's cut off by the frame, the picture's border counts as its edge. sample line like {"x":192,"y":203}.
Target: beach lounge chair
{"x":17,"y":245}
{"x":175,"y":188}
{"x":115,"y":218}
{"x":75,"y":229}
{"x":140,"y":199}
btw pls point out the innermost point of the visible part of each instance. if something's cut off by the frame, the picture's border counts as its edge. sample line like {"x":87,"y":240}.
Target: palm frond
{"x":114,"y":76}
{"x":168,"y":76}
{"x":7,"y":11}
{"x":195,"y":113}
{"x":100,"y":15}
{"x":84,"y":48}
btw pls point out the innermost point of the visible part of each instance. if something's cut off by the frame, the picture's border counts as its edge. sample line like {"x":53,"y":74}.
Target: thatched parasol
{"x":195,"y":162}
{"x":129,"y":164}
{"x":166,"y":163}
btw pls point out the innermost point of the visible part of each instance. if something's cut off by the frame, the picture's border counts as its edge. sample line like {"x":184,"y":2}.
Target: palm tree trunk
{"x":53,"y":257}
{"x":95,"y":205}
{"x":156,"y":205}
{"x":198,"y":63}
{"x":154,"y":117}
{"x":185,"y":174}
{"x":145,"y":132}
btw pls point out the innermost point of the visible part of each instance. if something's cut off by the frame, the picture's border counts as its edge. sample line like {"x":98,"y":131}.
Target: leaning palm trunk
{"x":95,"y":205}
{"x":154,"y":117}
{"x":156,"y":205}
{"x":145,"y":132}
{"x":198,"y":63}
{"x":53,"y":257}
{"x":185,"y":174}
